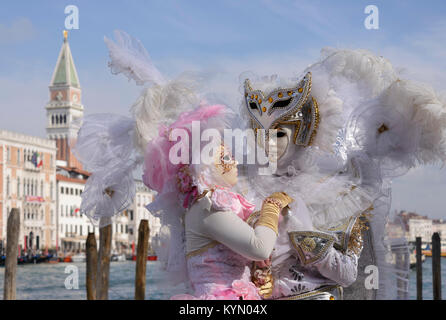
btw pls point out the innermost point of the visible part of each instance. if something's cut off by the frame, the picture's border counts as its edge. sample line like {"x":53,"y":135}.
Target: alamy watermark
{"x":72,"y":18}
{"x":372,"y":280}
{"x":201,"y":146}
{"x":72,"y":280}
{"x":371,"y":22}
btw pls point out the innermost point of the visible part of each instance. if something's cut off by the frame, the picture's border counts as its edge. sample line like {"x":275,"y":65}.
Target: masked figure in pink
{"x":216,"y":243}
{"x":205,"y":241}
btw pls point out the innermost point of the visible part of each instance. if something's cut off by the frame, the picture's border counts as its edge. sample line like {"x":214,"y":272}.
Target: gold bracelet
{"x":269,"y":216}
{"x":274,"y":201}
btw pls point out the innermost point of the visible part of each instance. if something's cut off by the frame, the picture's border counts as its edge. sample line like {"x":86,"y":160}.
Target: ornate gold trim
{"x":307,"y":246}
{"x":253,"y":218}
{"x":313,"y":293}
{"x":202,"y":249}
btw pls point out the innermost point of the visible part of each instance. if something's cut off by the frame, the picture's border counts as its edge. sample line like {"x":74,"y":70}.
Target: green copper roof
{"x":61,"y":72}
{"x":73,"y":74}
{"x":65,"y":72}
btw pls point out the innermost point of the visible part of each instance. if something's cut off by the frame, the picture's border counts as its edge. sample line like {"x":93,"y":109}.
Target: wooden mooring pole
{"x":419,"y":270}
{"x":141,"y":260}
{"x":92,"y":266}
{"x":103,"y":275}
{"x":436,"y":266}
{"x":12,"y":243}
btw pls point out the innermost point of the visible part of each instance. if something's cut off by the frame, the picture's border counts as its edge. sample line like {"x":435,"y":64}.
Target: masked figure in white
{"x":338,"y":134}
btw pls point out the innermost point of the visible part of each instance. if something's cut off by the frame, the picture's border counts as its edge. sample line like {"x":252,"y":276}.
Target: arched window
{"x":64,"y":118}
{"x":57,"y":119}
{"x":41,"y":189}
{"x":7,"y":186}
{"x":18,"y":187}
{"x":62,"y":145}
{"x":18,"y":156}
{"x":51,"y":191}
{"x":52,"y":119}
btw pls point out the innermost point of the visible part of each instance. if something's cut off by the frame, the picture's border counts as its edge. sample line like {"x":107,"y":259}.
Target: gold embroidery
{"x":202,"y":249}
{"x":322,"y":242}
{"x":316,"y":121}
{"x":308,"y":244}
{"x":109,"y":192}
{"x":263,"y":280}
{"x":253,"y":218}
{"x":314,"y":293}
{"x":274,"y":201}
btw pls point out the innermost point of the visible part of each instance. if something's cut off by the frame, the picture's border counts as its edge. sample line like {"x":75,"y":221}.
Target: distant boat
{"x":80,"y":257}
{"x":149,"y":258}
{"x":53,"y":260}
{"x":428,"y":253}
{"x":413,"y":259}
{"x":118,"y":257}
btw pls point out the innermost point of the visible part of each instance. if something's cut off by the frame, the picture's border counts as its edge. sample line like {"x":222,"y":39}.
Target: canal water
{"x":49,"y":281}
{"x":55,"y":281}
{"x":427,"y":280}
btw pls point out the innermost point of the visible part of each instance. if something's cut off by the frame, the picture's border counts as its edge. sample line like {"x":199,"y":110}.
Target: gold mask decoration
{"x":284,"y":106}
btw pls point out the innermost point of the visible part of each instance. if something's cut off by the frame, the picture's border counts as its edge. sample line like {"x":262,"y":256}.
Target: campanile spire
{"x":65,"y":104}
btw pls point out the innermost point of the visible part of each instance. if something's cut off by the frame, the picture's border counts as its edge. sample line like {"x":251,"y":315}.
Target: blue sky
{"x":225,"y":37}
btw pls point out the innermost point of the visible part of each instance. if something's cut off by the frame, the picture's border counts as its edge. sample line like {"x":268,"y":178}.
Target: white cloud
{"x":20,"y":30}
{"x":431,"y":41}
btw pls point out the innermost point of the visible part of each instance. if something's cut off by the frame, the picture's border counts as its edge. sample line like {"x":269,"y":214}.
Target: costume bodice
{"x":218,"y":273}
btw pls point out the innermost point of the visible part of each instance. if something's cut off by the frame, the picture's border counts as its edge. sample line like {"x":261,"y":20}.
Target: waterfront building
{"x":420,"y":227}
{"x":440,"y":227}
{"x":44,"y":180}
{"x":137,"y":212}
{"x":28,"y":182}
{"x":63,"y":110}
{"x":72,"y":226}
{"x":396,"y":230}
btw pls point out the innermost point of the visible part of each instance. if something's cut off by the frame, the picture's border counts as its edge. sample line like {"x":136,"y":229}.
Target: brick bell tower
{"x":65,"y":105}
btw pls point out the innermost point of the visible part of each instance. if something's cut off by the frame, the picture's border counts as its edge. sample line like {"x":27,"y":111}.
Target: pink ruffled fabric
{"x":224,"y":199}
{"x":219,"y":274}
{"x":159,"y":171}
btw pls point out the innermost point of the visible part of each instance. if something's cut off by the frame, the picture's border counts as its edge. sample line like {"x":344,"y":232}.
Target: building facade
{"x":137,"y":212}
{"x":440,"y":227}
{"x":72,"y":226}
{"x":420,"y":227}
{"x":28,"y":182}
{"x":64,"y":109}
{"x":44,"y":180}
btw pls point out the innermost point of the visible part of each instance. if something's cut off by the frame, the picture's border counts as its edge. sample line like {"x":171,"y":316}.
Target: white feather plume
{"x":128,"y":56}
{"x":163,"y":100}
